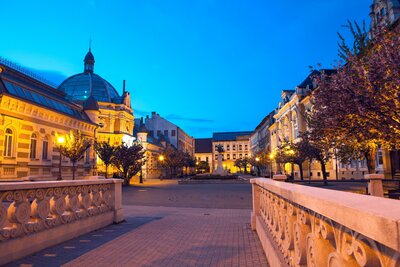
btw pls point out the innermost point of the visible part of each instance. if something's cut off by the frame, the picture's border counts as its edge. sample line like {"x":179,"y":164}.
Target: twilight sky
{"x":206,"y":65}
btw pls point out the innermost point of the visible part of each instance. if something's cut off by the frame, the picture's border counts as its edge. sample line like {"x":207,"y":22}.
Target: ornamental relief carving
{"x":306,"y":238}
{"x":24,"y":212}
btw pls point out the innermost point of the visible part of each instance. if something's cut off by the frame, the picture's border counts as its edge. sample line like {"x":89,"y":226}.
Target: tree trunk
{"x":106,"y":171}
{"x":73,"y":170}
{"x":301,"y":171}
{"x":323,"y":169}
{"x":371,"y":160}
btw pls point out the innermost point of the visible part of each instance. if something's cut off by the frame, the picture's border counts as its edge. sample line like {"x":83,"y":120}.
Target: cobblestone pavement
{"x":162,"y":236}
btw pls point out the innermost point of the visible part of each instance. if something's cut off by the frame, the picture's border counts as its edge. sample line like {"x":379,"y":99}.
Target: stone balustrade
{"x":36,"y":215}
{"x":306,"y":226}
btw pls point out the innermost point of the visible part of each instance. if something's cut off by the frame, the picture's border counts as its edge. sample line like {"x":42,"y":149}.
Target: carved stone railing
{"x":305,"y":226}
{"x":35,"y":215}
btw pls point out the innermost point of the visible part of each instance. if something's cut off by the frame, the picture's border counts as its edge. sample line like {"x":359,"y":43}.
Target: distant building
{"x":204,"y":150}
{"x":384,"y":13}
{"x":236,"y":145}
{"x":154,"y":148}
{"x":158,"y":126}
{"x":260,"y":138}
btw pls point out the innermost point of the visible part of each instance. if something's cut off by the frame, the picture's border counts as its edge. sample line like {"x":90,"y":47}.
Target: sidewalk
{"x":163,"y":236}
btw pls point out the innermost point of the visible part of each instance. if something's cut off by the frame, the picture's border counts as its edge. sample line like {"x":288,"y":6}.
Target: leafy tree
{"x":106,"y":153}
{"x":74,"y":148}
{"x":360,"y":41}
{"x":129,"y":160}
{"x":260,"y":160}
{"x":242,"y":163}
{"x":359,"y":105}
{"x":188,"y":161}
{"x":203,"y":166}
{"x":295,"y":153}
{"x":173,"y":159}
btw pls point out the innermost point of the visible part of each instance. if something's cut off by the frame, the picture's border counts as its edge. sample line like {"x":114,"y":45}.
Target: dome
{"x":81,"y":86}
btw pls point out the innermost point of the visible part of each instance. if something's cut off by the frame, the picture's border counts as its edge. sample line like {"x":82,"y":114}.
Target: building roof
{"x":229,"y":136}
{"x":308,"y":81}
{"x":28,"y":88}
{"x":80,"y":86}
{"x":203,"y":145}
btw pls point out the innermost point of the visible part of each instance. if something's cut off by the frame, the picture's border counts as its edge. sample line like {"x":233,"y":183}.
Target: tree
{"x":106,"y":153}
{"x":317,"y":146}
{"x":260,"y":160}
{"x":173,"y":159}
{"x":74,"y":148}
{"x":359,"y":105}
{"x":239,"y":163}
{"x":295,"y":153}
{"x":129,"y":160}
{"x":188,"y":161}
{"x":242,"y":163}
{"x":202,"y":166}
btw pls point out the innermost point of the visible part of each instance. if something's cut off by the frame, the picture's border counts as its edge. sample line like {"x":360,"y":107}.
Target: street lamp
{"x":258,"y":167}
{"x":271,"y":157}
{"x":161,"y":159}
{"x":60,"y":142}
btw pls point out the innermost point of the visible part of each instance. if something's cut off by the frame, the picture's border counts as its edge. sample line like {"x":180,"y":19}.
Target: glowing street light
{"x":161,"y":160}
{"x":60,"y":141}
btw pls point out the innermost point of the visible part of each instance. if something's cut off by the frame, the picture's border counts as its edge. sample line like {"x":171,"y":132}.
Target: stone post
{"x":256,"y":203}
{"x":375,"y":186}
{"x":280,"y":177}
{"x":116,"y":200}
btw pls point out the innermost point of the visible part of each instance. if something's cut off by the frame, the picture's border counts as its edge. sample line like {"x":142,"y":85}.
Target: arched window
{"x":33,"y":146}
{"x":45,"y":149}
{"x":8,"y":143}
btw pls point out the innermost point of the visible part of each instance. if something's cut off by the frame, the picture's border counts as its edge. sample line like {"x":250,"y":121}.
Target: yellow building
{"x":236,"y":145}
{"x":105,"y":107}
{"x":31,"y":113}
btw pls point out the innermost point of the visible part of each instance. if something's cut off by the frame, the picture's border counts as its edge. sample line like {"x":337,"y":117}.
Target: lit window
{"x":45,"y":151}
{"x":8,"y":143}
{"x":33,"y":147}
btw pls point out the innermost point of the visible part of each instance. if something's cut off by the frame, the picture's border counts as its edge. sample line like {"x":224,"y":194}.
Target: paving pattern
{"x":162,"y":236}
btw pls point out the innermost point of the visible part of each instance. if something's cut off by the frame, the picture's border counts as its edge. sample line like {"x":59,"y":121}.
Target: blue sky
{"x":207,"y":65}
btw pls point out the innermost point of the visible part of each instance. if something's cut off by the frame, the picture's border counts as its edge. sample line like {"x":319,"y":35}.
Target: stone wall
{"x":36,"y":215}
{"x":306,"y":226}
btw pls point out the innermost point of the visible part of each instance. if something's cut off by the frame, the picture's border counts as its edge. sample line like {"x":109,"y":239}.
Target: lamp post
{"x":161,"y":159}
{"x":258,"y":167}
{"x":60,"y":142}
{"x":271,"y":157}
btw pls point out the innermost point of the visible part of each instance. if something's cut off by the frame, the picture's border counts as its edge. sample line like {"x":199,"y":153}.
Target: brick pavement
{"x":162,"y":236}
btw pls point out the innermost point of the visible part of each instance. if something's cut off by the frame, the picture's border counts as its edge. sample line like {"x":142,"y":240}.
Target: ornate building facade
{"x":32,"y":112}
{"x":111,"y":112}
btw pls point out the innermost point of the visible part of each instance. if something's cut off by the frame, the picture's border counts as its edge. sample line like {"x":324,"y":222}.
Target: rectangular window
{"x":240,"y":156}
{"x":234,"y":156}
{"x":33,"y":149}
{"x":228,"y":156}
{"x":240,"y":147}
{"x":206,"y":159}
{"x":318,"y":174}
{"x":151,"y":133}
{"x":234,"y":147}
{"x":45,"y":152}
{"x":173,"y":133}
{"x":87,"y":156}
{"x":216,"y":156}
{"x":158,"y":133}
{"x":245,"y":147}
{"x":166,"y":133}
{"x":228,"y":147}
